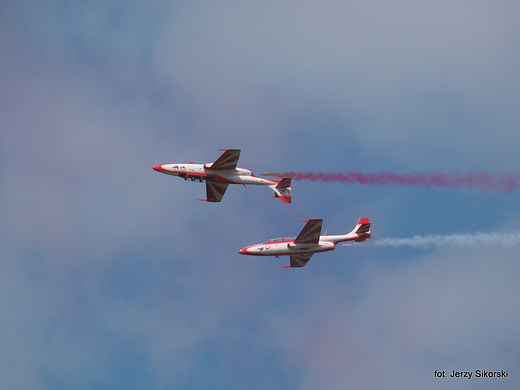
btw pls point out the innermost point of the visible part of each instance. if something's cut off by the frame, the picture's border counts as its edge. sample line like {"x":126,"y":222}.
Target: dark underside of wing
{"x":310,"y":233}
{"x":300,"y":260}
{"x":228,"y":160}
{"x":215,"y":191}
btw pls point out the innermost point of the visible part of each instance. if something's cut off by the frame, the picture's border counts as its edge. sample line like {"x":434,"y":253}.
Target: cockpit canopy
{"x":279,"y":239}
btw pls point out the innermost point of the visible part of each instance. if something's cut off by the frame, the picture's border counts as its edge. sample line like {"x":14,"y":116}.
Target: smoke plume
{"x":458,"y":240}
{"x":476,"y":181}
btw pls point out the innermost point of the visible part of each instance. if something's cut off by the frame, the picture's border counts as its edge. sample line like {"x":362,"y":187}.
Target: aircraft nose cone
{"x":158,"y":168}
{"x":242,"y":251}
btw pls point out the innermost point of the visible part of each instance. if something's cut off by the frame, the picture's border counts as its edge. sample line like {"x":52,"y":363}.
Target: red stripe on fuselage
{"x":294,"y":250}
{"x":218,"y":178}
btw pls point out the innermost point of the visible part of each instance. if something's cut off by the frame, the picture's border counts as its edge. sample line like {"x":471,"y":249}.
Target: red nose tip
{"x":242,"y":251}
{"x":158,"y":168}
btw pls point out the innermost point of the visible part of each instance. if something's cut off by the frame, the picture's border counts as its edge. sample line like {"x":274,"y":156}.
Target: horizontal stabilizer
{"x":284,"y":183}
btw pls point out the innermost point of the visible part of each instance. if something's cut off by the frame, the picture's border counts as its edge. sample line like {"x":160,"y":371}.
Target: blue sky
{"x":114,"y":277}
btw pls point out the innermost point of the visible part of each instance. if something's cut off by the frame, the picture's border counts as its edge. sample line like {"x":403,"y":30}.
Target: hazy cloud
{"x":113,"y":276}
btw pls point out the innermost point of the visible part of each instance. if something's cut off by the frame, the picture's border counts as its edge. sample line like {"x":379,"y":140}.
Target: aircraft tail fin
{"x":362,"y":230}
{"x":282,"y":190}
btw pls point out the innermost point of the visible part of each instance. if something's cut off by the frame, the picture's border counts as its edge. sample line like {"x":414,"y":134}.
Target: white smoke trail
{"x":458,"y":240}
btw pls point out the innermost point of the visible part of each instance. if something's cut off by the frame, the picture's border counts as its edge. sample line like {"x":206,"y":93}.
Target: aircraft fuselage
{"x":286,"y":247}
{"x":200,"y":172}
{"x":301,"y":248}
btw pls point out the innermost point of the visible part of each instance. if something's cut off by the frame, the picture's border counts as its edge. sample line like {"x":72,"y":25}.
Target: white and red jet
{"x":307,"y":243}
{"x":223,"y":172}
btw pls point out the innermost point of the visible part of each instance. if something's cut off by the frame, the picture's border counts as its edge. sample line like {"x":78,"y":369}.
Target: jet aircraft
{"x":223,"y":172}
{"x":307,"y":243}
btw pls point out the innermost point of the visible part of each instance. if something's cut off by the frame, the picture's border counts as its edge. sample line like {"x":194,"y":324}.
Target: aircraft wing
{"x":299,"y":260}
{"x":228,"y":160}
{"x":310,"y":233}
{"x":215,"y":191}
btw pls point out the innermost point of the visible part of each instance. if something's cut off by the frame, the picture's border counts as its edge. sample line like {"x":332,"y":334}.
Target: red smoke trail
{"x":481,"y":180}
